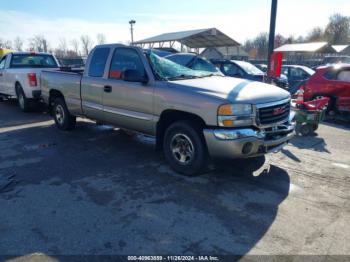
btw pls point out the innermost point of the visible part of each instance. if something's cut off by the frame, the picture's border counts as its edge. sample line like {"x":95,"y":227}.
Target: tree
{"x":258,"y":46}
{"x":5,"y":43}
{"x":315,"y":35}
{"x":101,"y":39}
{"x":75,"y":44}
{"x":38,"y":43}
{"x":18,"y":44}
{"x":86,"y":43}
{"x":62,"y":49}
{"x":338,"y":29}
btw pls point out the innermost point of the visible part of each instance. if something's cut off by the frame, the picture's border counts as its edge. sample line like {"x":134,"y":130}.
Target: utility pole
{"x":272,"y":31}
{"x":132,"y":22}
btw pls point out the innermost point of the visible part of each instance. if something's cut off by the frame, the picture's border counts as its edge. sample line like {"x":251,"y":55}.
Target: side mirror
{"x":131,"y":75}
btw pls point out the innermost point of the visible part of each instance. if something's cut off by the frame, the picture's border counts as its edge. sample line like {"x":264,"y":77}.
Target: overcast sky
{"x":240,"y":19}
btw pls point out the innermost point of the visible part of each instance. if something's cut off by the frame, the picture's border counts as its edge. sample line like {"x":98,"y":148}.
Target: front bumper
{"x":247,"y":142}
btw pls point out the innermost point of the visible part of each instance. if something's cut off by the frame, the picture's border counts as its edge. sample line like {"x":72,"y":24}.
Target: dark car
{"x":73,"y":62}
{"x":240,"y":69}
{"x":297,"y":75}
{"x":158,"y":52}
{"x":193,"y":61}
{"x":246,"y":70}
{"x":262,"y":67}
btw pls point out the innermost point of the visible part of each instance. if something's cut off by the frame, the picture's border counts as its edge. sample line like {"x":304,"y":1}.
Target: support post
{"x":272,"y":32}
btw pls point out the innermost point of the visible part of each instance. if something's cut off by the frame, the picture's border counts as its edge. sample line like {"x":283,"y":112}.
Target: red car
{"x":333,"y":82}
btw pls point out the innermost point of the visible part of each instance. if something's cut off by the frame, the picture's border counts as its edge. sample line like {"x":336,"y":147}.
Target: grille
{"x":273,"y":114}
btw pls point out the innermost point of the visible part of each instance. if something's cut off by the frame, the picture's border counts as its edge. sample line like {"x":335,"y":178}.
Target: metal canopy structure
{"x":340,"y":48}
{"x":201,"y":38}
{"x":315,"y":47}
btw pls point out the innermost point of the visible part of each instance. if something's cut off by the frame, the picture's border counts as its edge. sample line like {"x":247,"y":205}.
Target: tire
{"x":314,"y":127}
{"x":63,"y":119}
{"x":305,"y":129}
{"x":185,"y":149}
{"x":23,"y":102}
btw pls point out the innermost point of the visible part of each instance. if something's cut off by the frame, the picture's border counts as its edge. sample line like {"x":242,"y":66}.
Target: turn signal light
{"x":227,"y":123}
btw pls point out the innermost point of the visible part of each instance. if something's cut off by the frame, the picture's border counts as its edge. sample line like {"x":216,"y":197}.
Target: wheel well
{"x":53,"y":95}
{"x":332,"y":101}
{"x":17,"y":85}
{"x":169,"y":117}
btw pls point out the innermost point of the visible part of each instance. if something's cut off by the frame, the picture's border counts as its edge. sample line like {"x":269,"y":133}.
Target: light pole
{"x":272,"y":32}
{"x":132,"y":22}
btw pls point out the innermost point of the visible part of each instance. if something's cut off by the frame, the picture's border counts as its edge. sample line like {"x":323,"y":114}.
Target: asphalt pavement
{"x":98,"y":190}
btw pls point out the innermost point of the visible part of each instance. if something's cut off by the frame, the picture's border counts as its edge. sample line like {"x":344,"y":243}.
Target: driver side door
{"x":128,"y":104}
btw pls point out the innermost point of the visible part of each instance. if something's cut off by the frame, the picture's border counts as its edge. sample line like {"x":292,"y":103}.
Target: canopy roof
{"x":319,"y":47}
{"x":200,"y":38}
{"x":340,"y":48}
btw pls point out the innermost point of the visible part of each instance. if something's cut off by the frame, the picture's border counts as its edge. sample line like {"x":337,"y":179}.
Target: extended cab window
{"x":98,"y":62}
{"x":125,"y":59}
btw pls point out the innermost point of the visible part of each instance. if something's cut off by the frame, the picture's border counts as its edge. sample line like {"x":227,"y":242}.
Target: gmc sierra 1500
{"x":192,"y":114}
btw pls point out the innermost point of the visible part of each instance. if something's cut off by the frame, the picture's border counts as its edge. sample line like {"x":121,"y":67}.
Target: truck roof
{"x":110,"y":45}
{"x":29,"y":53}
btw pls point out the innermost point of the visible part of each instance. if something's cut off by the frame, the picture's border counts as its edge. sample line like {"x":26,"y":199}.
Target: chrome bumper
{"x":247,"y":142}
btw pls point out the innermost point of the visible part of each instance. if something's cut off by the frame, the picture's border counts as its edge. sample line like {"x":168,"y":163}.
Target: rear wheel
{"x":63,"y":119}
{"x":185,"y":149}
{"x":23,"y":102}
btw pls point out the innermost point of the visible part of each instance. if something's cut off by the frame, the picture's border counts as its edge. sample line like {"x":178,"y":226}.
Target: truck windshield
{"x":169,"y":70}
{"x":33,"y":60}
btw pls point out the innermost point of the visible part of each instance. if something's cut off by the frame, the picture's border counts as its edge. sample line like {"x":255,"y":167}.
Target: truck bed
{"x":67,"y":82}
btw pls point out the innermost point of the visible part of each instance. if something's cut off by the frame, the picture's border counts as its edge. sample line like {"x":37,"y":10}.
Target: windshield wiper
{"x":180,"y":77}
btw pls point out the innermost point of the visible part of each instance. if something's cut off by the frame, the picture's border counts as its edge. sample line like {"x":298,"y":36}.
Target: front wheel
{"x":185,"y":149}
{"x":63,"y":119}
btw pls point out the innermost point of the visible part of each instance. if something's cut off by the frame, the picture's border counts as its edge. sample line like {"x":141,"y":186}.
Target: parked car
{"x":20,"y":76}
{"x":262,"y":67}
{"x":328,"y":60}
{"x":246,"y":70}
{"x":161,"y":53}
{"x":297,"y":75}
{"x":194,"y":62}
{"x":333,"y":82}
{"x":192,"y":114}
{"x":73,"y":62}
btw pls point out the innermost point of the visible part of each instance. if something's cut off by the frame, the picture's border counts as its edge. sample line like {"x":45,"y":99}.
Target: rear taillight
{"x":32,"y":79}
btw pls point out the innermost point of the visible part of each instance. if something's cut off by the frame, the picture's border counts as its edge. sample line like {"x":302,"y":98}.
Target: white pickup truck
{"x":20,"y":76}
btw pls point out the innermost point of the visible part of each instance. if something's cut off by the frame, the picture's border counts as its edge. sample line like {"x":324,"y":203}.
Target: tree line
{"x":72,"y":48}
{"x":336,"y":32}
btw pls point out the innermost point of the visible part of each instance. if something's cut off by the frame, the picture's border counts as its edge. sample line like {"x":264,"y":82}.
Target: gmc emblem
{"x":278,"y":111}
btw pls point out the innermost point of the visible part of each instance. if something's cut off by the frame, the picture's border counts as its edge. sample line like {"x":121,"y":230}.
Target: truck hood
{"x":233,"y":89}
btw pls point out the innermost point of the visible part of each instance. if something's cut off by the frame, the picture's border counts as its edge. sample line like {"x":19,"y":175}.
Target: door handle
{"x":107,"y":89}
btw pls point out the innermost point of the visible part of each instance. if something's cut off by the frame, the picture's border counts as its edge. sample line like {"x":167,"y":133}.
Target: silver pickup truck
{"x":194,"y":115}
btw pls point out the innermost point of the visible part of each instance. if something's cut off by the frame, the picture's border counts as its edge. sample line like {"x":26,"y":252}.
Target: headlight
{"x":235,"y":115}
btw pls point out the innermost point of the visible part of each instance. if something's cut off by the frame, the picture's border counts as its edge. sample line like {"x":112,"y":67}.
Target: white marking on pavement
{"x":340,"y":165}
{"x":25,"y":126}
